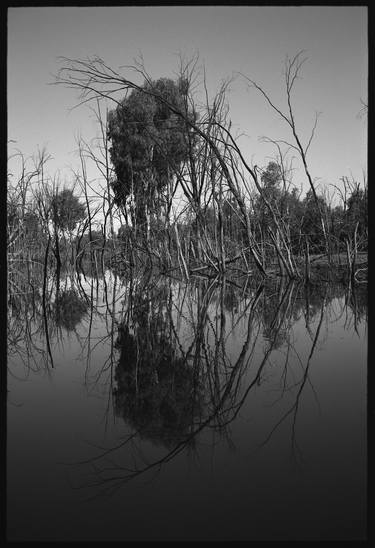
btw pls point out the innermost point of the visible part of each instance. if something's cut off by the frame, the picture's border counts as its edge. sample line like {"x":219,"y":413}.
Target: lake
{"x":215,"y":409}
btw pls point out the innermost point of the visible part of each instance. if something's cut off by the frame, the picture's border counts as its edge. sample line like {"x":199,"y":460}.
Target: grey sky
{"x":253,"y":40}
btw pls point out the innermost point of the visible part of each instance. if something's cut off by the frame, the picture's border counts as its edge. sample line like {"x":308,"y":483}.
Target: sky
{"x":230,"y":40}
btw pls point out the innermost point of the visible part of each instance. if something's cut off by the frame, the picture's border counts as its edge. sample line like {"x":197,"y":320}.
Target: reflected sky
{"x":213,"y":411}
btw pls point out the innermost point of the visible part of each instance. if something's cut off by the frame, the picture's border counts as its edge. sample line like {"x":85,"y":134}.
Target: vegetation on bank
{"x":175,"y":180}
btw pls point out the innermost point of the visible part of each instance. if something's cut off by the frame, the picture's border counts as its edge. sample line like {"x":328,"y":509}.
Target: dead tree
{"x":95,"y":80}
{"x":292,"y":71}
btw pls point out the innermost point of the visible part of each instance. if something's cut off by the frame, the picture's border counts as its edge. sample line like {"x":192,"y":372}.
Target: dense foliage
{"x":148,"y":143}
{"x":67,"y":210}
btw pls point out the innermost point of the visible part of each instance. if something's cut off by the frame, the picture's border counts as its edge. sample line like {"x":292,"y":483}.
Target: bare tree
{"x":291,"y":74}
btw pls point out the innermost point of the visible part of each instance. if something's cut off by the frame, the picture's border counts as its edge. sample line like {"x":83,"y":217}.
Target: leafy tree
{"x":337,"y":223}
{"x":357,"y":212}
{"x":233,"y":225}
{"x":270,"y":197}
{"x":32,"y":224}
{"x":292,"y":212}
{"x":148,"y":143}
{"x":67,"y":210}
{"x":271,"y":179}
{"x":96,"y":241}
{"x":12,"y":215}
{"x":313,"y":209}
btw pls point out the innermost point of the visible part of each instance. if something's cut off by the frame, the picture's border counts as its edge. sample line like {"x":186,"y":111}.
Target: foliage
{"x":156,"y":390}
{"x":97,"y":240}
{"x":70,"y":308}
{"x":286,"y":205}
{"x":148,"y":143}
{"x":67,"y":210}
{"x":32,"y":224}
{"x":271,"y":177}
{"x":357,"y":212}
{"x":313,"y":208}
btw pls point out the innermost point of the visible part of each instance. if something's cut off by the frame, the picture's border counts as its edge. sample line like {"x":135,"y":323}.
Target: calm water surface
{"x":200,"y":411}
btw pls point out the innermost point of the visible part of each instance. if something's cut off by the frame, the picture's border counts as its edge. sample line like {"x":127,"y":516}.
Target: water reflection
{"x":69,"y":309}
{"x":156,"y":392}
{"x":182,"y":361}
{"x":179,"y":374}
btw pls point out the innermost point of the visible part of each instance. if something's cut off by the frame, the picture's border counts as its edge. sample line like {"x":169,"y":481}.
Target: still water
{"x":161,"y":410}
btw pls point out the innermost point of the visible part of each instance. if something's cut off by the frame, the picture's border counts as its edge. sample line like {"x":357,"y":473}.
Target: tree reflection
{"x":170,"y":392}
{"x":357,"y":301}
{"x":69,"y":309}
{"x":173,"y":370}
{"x":156,"y":391}
{"x":175,"y":378}
{"x":25,"y":328}
{"x":299,"y":386}
{"x":36,"y":313}
{"x":278,"y":312}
